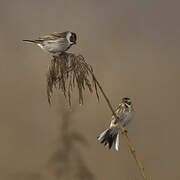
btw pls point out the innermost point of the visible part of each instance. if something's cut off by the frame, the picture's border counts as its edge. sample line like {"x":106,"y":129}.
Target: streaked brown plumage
{"x":125,"y":113}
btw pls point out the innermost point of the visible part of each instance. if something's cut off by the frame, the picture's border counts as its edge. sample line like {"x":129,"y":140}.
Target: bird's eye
{"x":75,"y":37}
{"x":71,"y":39}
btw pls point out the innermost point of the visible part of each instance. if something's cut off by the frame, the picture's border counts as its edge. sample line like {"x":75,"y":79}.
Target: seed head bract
{"x":68,"y":71}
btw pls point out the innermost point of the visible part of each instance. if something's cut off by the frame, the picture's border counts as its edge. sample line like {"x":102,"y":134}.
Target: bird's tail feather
{"x":31,"y":41}
{"x":110,"y":136}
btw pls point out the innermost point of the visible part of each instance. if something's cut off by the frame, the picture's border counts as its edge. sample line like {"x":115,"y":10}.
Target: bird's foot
{"x":125,"y":131}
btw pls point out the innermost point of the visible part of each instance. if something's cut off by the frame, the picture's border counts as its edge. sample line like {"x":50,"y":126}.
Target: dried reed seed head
{"x":67,"y":71}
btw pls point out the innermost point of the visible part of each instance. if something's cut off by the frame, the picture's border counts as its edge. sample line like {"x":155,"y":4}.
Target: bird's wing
{"x":53,"y":36}
{"x":119,"y":112}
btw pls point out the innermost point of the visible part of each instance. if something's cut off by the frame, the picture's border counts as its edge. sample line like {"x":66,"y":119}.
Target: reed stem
{"x":130,"y":145}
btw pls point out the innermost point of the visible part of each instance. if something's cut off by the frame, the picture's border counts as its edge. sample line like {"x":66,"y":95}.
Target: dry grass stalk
{"x":67,"y":71}
{"x":130,"y":145}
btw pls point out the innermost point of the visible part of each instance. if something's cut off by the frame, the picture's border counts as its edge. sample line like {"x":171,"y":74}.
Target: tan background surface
{"x":133,"y":43}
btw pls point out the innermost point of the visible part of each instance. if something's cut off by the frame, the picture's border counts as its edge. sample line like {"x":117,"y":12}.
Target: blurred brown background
{"x":133,"y":43}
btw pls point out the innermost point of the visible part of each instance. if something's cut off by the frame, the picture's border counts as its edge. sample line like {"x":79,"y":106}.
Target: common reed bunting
{"x":125,"y":114}
{"x":56,"y":42}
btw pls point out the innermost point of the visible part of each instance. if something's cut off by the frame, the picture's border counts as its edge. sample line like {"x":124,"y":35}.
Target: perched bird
{"x":125,"y":114}
{"x":56,"y":42}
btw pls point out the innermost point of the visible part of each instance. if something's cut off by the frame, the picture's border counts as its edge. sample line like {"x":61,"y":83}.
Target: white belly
{"x":55,"y":46}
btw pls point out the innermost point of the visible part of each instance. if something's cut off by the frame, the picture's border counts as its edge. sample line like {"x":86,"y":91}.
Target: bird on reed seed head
{"x":56,"y":42}
{"x":125,"y":114}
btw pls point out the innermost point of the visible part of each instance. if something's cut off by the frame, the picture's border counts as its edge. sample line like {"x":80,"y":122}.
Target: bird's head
{"x":71,"y":37}
{"x":127,"y":100}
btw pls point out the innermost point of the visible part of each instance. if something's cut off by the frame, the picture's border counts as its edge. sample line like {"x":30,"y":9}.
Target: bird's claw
{"x":125,"y":131}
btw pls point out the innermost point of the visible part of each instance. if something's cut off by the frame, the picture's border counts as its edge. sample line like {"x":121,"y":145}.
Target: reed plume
{"x":67,"y":71}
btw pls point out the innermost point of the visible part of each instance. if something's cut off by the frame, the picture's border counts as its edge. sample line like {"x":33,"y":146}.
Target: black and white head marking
{"x":71,"y":37}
